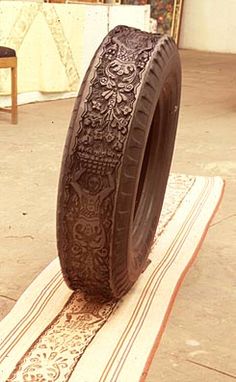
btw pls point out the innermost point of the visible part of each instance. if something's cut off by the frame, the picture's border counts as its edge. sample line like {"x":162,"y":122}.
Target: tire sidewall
{"x":167,"y":65}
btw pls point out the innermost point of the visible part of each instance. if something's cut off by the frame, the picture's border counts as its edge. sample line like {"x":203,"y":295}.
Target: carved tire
{"x":116,"y":161}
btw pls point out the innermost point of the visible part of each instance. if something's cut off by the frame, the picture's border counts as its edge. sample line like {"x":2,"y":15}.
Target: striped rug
{"x":55,"y":335}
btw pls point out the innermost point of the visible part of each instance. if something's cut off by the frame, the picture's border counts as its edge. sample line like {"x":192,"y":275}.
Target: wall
{"x":55,"y":43}
{"x":209,"y":25}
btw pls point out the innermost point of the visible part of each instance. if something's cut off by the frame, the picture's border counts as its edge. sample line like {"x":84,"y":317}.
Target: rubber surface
{"x":116,"y":161}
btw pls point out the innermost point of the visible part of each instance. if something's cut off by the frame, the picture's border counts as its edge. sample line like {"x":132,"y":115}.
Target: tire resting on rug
{"x":116,"y":161}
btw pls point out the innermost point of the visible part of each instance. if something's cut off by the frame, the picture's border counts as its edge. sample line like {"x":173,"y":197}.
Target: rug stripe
{"x":30,"y":311}
{"x":186,"y":237}
{"x":23,"y":320}
{"x":33,"y":319}
{"x":148,"y":286}
{"x":145,"y":290}
{"x":175,"y":292}
{"x":153,"y":291}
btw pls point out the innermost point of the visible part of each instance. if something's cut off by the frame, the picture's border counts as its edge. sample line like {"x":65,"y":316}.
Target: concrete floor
{"x":199,"y":343}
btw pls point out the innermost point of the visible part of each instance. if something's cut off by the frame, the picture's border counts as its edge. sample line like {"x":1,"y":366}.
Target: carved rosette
{"x":92,"y":168}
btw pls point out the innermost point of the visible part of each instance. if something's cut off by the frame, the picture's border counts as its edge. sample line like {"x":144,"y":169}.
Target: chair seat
{"x":7,"y":52}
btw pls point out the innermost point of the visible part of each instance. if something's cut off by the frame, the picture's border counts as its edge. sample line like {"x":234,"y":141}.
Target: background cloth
{"x":56,"y":42}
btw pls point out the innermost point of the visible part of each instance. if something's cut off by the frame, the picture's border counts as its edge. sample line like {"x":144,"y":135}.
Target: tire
{"x":116,"y":161}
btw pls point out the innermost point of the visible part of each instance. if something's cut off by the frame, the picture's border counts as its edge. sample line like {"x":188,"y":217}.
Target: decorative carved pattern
{"x":92,"y":168}
{"x":58,"y":349}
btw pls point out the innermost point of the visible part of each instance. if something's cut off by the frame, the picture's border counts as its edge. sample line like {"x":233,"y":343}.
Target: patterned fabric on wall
{"x":166,"y":13}
{"x":162,"y":11}
{"x":55,"y":42}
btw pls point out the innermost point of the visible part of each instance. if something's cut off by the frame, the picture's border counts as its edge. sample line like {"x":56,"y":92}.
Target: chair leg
{"x":14,"y":94}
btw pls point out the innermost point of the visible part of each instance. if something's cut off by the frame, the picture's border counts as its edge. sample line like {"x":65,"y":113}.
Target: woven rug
{"x":54,"y":334}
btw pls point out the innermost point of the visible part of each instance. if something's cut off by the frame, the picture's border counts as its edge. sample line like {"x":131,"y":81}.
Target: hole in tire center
{"x":143,"y":173}
{"x":152,"y":180}
{"x":148,"y":199}
{"x":149,"y":154}
{"x":144,"y":208}
{"x":153,"y":176}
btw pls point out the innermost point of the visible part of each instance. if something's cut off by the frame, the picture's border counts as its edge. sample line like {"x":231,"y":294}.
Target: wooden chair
{"x":8,"y":59}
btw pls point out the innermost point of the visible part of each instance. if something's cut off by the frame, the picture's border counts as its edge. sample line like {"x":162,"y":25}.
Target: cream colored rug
{"x":54,"y":334}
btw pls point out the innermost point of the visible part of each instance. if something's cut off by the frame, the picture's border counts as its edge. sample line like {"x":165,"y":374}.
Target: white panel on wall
{"x":95,"y":29}
{"x":132,"y":15}
{"x":209,"y":25}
